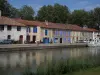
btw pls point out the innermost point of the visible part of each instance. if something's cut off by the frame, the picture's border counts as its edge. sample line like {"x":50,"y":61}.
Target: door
{"x":34,"y":39}
{"x":60,"y":40}
{"x":21,"y":39}
{"x":46,"y":40}
{"x":28,"y":38}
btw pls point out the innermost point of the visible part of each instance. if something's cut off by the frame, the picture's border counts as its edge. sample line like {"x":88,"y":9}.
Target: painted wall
{"x":87,"y":35}
{"x":75,"y":36}
{"x":61,"y":34}
{"x":49,"y":34}
{"x":14,"y":33}
{"x":37,"y":34}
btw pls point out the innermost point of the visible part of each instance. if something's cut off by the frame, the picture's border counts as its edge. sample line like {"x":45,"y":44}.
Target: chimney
{"x":85,"y":26}
{"x":46,"y":22}
{"x":0,"y":13}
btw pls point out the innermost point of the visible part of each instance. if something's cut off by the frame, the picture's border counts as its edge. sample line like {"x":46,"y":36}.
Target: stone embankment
{"x":22,"y":47}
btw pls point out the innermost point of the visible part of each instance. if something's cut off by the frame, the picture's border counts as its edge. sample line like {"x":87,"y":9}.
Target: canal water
{"x":14,"y":63}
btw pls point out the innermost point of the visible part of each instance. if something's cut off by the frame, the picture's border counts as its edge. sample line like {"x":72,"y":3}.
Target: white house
{"x":10,"y":29}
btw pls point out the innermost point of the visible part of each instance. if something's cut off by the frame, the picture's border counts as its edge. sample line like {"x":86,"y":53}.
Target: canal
{"x":14,"y":63}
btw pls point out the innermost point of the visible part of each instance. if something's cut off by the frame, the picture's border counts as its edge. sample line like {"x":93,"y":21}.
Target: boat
{"x":95,"y":41}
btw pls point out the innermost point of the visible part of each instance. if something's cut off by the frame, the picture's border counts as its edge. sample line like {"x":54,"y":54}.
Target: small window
{"x":9,"y":27}
{"x":9,"y":37}
{"x":46,"y":32}
{"x":35,"y":29}
{"x":18,"y":28}
{"x":1,"y":27}
{"x":28,"y":29}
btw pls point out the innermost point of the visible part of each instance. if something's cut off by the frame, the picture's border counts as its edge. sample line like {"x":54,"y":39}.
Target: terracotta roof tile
{"x":90,"y":29}
{"x":9,"y":21}
{"x":55,"y":25}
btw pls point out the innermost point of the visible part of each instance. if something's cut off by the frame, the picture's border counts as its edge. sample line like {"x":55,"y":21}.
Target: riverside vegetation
{"x":63,"y":67}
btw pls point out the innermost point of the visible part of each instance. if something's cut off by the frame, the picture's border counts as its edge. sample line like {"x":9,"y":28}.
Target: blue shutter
{"x":35,"y":29}
{"x":46,"y":32}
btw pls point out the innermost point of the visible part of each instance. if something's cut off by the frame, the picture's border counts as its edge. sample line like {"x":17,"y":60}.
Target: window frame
{"x":9,"y":29}
{"x":18,"y":29}
{"x":1,"y":27}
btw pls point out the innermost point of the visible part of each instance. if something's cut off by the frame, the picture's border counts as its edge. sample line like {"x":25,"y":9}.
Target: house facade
{"x":47,"y":32}
{"x":10,"y":29}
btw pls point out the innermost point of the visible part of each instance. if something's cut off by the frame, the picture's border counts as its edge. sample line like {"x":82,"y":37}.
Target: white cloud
{"x":36,"y":7}
{"x":90,"y":7}
{"x":83,"y":3}
{"x":87,"y":5}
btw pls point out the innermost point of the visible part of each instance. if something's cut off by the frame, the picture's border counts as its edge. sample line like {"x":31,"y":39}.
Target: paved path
{"x":40,"y":45}
{"x":36,"y":46}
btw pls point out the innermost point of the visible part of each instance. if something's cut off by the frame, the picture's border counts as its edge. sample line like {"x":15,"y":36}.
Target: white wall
{"x":14,"y":33}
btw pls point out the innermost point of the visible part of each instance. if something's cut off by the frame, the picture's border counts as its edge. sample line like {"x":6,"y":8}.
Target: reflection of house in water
{"x":17,"y":59}
{"x":43,"y":57}
{"x":75,"y":53}
{"x":61,"y":54}
{"x":94,"y":50}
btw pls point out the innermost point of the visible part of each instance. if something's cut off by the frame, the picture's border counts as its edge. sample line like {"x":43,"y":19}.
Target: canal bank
{"x":22,"y":47}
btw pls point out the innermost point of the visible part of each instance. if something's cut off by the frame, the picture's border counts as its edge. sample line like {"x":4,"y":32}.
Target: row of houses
{"x":44,"y":32}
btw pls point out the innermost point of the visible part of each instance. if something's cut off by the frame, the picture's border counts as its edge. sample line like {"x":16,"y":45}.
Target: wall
{"x":14,"y":33}
{"x":31,"y":33}
{"x":49,"y":35}
{"x":75,"y":36}
{"x":61,"y":34}
{"x":87,"y":35}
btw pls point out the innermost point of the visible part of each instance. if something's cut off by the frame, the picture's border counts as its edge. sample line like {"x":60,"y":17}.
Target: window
{"x":9,"y":27}
{"x":18,"y":28}
{"x":28,"y":29}
{"x":9,"y":37}
{"x":35,"y":29}
{"x":1,"y":27}
{"x":46,"y":32}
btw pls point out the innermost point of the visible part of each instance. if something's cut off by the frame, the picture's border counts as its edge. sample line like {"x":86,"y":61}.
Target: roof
{"x":55,"y":25}
{"x":9,"y":21}
{"x":29,"y":23}
{"x":50,"y":25}
{"x":90,"y":30}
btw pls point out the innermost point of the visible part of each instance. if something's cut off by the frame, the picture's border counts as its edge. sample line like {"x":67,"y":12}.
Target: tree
{"x":80,"y":17}
{"x":60,"y":13}
{"x":4,"y":7}
{"x":95,"y":17}
{"x":45,"y":13}
{"x":57,"y":13}
{"x":27,"y":12}
{"x":15,"y":13}
{"x":96,"y":14}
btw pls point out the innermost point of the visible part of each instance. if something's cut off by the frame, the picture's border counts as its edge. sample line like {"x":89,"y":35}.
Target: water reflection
{"x":34,"y":58}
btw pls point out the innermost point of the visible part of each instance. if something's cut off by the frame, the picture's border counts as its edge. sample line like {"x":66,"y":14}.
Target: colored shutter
{"x":46,"y":32}
{"x":35,"y":29}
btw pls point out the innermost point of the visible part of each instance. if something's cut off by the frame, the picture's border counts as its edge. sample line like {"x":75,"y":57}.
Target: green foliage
{"x":57,"y":13}
{"x":27,"y":12}
{"x":14,"y":12}
{"x":5,"y":8}
{"x":79,"y":17}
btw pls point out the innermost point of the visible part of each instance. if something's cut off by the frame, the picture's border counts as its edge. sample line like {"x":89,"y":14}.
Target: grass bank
{"x":63,"y":67}
{"x":93,"y":71}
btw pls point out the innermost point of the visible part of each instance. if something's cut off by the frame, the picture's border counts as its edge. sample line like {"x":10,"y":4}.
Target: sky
{"x":72,"y":4}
